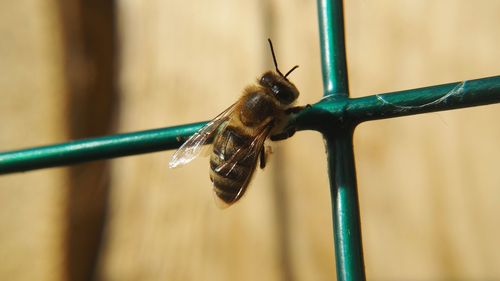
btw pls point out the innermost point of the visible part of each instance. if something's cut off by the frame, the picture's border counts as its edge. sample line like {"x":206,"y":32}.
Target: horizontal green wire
{"x":333,"y":112}
{"x":96,"y":148}
{"x":321,"y":116}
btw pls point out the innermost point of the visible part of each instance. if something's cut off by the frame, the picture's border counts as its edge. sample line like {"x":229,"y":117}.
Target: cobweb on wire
{"x":457,"y":90}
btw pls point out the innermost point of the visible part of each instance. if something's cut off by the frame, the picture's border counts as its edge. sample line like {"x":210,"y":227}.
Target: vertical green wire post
{"x":341,"y":168}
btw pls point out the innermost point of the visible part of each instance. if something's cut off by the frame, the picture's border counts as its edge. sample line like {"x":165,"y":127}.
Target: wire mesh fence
{"x":335,"y":116}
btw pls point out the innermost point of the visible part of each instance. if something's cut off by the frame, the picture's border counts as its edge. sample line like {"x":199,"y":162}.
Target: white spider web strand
{"x":458,"y":89}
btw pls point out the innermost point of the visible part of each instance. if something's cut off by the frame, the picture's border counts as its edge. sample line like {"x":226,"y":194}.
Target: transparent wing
{"x":193,"y":146}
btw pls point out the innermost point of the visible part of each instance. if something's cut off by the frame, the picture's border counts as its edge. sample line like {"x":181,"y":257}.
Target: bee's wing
{"x":193,"y":146}
{"x":241,"y":155}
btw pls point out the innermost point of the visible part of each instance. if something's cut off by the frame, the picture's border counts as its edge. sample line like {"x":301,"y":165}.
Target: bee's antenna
{"x":290,"y":71}
{"x":274,"y":58}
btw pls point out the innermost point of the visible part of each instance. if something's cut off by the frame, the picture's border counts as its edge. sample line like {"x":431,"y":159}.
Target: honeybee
{"x":239,"y":133}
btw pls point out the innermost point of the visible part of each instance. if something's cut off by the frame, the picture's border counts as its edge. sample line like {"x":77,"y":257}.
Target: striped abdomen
{"x":231,"y":178}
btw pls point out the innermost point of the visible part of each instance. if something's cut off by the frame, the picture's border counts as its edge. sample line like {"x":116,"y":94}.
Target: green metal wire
{"x":338,"y":136}
{"x":335,"y":116}
{"x":333,"y":112}
{"x":328,"y":113}
{"x":96,"y":148}
{"x":332,"y":45}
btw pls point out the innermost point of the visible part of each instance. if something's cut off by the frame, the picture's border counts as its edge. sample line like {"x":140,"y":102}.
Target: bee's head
{"x":282,"y":89}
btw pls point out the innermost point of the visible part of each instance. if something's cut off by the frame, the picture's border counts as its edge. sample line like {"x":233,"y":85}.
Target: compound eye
{"x":267,"y":80}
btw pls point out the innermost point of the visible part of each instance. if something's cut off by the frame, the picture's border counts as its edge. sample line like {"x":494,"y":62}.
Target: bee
{"x":239,"y":132}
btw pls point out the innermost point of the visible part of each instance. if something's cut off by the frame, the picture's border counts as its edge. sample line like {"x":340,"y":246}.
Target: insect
{"x":239,"y":132}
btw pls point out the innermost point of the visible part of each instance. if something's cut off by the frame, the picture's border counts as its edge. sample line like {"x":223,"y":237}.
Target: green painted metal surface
{"x":334,"y":111}
{"x":96,"y":148}
{"x":335,"y":116}
{"x":332,"y":45}
{"x":338,"y":139}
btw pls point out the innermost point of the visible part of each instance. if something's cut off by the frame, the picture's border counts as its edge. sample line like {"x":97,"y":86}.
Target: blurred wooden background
{"x":429,"y":184}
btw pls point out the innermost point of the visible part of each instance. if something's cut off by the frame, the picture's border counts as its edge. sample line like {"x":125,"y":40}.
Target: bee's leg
{"x":289,"y":131}
{"x":263,"y":157}
{"x":296,"y":109}
{"x":283,"y":135}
